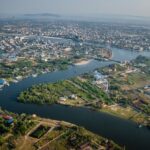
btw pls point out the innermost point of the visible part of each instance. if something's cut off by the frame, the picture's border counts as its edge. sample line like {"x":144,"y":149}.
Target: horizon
{"x":129,"y":19}
{"x":134,"y":8}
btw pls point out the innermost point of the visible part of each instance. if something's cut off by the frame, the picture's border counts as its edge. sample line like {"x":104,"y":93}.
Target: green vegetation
{"x":25,"y":67}
{"x":74,"y":137}
{"x":78,"y":138}
{"x":93,"y":90}
{"x":8,"y":132}
{"x":3,"y":128}
{"x":142,"y":59}
{"x":20,"y":126}
{"x":50,"y":136}
{"x":50,"y":93}
{"x":40,"y":131}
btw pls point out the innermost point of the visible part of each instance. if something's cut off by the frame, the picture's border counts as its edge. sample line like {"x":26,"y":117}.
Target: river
{"x":123,"y":132}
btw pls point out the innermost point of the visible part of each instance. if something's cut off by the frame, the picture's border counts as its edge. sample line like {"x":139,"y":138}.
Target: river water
{"x":123,"y":132}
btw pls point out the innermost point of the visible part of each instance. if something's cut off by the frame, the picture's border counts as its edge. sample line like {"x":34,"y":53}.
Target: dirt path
{"x":51,"y":141}
{"x":26,"y":137}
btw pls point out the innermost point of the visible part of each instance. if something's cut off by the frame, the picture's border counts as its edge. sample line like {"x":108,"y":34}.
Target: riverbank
{"x":44,"y":133}
{"x":128,"y":113}
{"x":82,"y":62}
{"x":118,"y":111}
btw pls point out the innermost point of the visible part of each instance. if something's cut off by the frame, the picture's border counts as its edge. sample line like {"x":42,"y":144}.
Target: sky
{"x":77,"y":7}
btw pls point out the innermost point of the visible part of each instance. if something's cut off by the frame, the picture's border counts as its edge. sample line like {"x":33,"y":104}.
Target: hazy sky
{"x":77,"y":7}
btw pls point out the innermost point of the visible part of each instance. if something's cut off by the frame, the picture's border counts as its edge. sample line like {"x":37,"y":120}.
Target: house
{"x":73,"y":96}
{"x":101,"y":81}
{"x":8,"y":119}
{"x":98,"y":75}
{"x":12,"y":58}
{"x":63,"y":99}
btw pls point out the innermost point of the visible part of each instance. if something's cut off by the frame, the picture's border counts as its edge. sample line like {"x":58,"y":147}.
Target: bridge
{"x":102,"y":59}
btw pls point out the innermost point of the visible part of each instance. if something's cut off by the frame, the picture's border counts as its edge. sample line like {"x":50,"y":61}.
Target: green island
{"x":32,"y":132}
{"x":127,"y":95}
{"x":68,"y":90}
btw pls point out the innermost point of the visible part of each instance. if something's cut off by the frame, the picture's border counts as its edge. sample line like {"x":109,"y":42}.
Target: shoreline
{"x":106,"y":111}
{"x":82,"y":62}
{"x":102,"y":110}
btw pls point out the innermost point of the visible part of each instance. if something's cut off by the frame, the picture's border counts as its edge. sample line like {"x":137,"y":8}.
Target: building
{"x":8,"y":119}
{"x":63,"y":99}
{"x":101,"y":81}
{"x":73,"y":96}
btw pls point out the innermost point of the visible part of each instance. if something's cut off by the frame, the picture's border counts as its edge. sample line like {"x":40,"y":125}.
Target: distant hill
{"x":42,"y":15}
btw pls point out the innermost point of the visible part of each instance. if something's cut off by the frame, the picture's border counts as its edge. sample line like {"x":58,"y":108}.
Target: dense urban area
{"x":30,"y":48}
